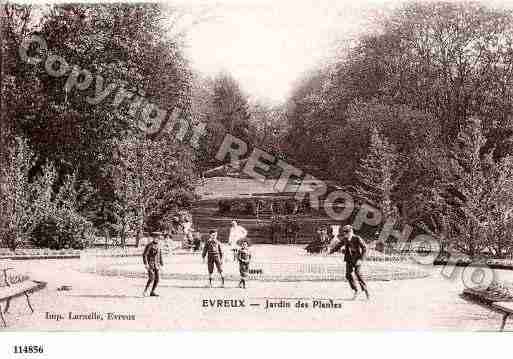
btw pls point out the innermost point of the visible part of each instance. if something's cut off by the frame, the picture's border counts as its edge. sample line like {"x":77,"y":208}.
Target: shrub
{"x":8,"y":238}
{"x":59,"y":233}
{"x":46,"y":235}
{"x":41,"y":214}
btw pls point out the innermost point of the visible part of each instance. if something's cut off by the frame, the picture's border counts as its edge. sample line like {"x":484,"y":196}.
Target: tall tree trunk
{"x":123,"y":234}
{"x":139,"y":231}
{"x":140,"y":226}
{"x":140,"y":176}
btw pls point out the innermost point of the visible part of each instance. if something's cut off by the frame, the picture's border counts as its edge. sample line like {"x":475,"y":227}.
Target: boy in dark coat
{"x":244,"y":257}
{"x":214,"y":251}
{"x":152,"y":259}
{"x":355,"y":250}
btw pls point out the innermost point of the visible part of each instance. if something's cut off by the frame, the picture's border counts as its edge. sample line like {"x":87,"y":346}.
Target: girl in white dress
{"x":237,"y":232}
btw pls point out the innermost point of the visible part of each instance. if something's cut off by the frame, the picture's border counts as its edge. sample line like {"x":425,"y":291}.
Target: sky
{"x":268,"y":45}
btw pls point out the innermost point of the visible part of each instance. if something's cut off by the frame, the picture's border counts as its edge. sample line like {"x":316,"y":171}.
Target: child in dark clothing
{"x":244,"y":257}
{"x":152,"y":259}
{"x":196,"y":244}
{"x":215,"y":256}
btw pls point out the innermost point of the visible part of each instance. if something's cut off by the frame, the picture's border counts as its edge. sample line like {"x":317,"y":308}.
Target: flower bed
{"x":270,"y":263}
{"x":262,"y":271}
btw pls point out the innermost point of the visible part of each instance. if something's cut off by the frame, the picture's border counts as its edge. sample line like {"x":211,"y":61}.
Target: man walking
{"x":214,"y":251}
{"x":152,"y":258}
{"x":355,"y":250}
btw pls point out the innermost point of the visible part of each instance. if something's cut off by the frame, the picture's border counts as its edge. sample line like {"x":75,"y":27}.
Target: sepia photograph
{"x":256,"y":165}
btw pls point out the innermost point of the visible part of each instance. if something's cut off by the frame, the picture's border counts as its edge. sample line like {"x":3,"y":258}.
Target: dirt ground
{"x":432,"y":303}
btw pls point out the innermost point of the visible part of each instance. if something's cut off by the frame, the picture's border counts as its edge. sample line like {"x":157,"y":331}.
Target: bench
{"x":494,"y":303}
{"x":505,"y":308}
{"x":13,"y":290}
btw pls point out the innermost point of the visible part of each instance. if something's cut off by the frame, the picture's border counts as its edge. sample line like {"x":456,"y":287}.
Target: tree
{"x":269,"y":125}
{"x":16,"y":162}
{"x":309,"y":124}
{"x":450,"y":61}
{"x":29,"y":201}
{"x":417,"y":78}
{"x":224,"y":108}
{"x":151,"y":178}
{"x":477,"y":197}
{"x":129,"y":46}
{"x":127,"y":193}
{"x":231,"y":107}
{"x":379,"y":174}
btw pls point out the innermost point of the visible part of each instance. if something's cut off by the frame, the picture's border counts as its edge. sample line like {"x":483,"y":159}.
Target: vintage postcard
{"x":256,"y":165}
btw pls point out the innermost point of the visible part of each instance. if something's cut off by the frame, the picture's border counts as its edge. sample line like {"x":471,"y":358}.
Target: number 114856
{"x":28,"y":349}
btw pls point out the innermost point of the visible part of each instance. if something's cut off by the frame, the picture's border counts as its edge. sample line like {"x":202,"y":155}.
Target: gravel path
{"x":431,"y":303}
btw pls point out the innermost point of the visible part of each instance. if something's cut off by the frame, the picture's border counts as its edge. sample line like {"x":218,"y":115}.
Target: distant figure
{"x":188,"y":234}
{"x":237,"y":234}
{"x":335,"y":230}
{"x":214,"y":253}
{"x":152,"y":259}
{"x":355,"y":250}
{"x":275,"y":230}
{"x":320,"y":242}
{"x":175,"y":225}
{"x":196,"y":243}
{"x":291,"y":230}
{"x":244,"y":257}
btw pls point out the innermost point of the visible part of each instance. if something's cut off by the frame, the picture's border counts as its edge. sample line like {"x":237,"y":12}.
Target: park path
{"x":419,"y":304}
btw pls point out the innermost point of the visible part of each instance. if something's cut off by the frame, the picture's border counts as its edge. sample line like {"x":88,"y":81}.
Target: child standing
{"x":152,"y":259}
{"x":215,"y":256}
{"x":244,"y":257}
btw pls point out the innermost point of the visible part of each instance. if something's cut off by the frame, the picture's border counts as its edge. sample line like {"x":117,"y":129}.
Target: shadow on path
{"x":113,"y":296}
{"x":190,"y":287}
